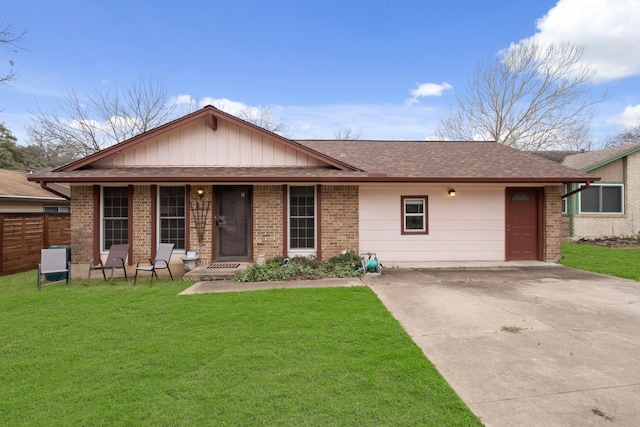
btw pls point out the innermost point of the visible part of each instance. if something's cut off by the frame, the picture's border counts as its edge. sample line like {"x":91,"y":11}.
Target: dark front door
{"x":523,"y":224}
{"x":233,"y":223}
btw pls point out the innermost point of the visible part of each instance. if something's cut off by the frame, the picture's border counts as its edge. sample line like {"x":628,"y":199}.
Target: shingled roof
{"x":344,"y":161}
{"x":14,"y":185}
{"x":590,"y":160}
{"x":378,"y":161}
{"x":447,"y":161}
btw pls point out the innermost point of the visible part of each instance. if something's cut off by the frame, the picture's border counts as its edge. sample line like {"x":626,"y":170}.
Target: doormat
{"x":219,"y":265}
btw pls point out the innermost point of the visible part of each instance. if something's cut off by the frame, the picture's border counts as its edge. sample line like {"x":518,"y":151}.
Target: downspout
{"x":51,"y":190}
{"x":570,"y":208}
{"x":579,"y":189}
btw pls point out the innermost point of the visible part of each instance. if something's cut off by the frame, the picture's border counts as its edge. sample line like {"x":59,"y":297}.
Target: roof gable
{"x":206,"y":138}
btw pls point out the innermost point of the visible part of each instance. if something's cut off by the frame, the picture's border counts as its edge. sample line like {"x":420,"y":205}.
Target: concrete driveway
{"x":526,"y":346}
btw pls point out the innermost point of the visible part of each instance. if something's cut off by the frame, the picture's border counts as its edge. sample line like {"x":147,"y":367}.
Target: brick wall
{"x":81,"y":224}
{"x":201,"y":216}
{"x":553,"y":223}
{"x":267,"y":221}
{"x":141,"y":244}
{"x":632,"y":194}
{"x":339,"y":214}
{"x":340,"y":223}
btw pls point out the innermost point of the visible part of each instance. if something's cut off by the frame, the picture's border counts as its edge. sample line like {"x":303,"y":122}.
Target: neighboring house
{"x":231,"y":191}
{"x":611,"y":207}
{"x":19,"y":195}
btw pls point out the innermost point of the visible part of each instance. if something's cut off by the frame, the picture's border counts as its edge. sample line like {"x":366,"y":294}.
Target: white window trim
{"x":303,"y":251}
{"x":621,"y":185}
{"x":159,"y":219}
{"x":565,"y":201}
{"x":425,"y":207}
{"x":102,"y":187}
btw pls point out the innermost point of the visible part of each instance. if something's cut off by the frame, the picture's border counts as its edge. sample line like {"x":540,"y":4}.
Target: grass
{"x":623,"y":263}
{"x":112,"y":355}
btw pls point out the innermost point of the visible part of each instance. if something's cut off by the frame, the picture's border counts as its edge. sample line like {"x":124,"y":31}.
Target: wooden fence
{"x":23,"y":235}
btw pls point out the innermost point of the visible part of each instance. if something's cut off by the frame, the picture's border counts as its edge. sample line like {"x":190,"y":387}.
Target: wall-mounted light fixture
{"x":200,"y":214}
{"x":452,"y":192}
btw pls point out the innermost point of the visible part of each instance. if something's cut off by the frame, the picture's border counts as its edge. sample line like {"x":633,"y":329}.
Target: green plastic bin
{"x":54,"y":277}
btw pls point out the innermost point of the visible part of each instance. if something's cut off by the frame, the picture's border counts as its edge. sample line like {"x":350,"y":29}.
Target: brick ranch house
{"x":231,"y":191}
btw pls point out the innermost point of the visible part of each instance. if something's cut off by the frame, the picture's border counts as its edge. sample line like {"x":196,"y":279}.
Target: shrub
{"x":302,"y":268}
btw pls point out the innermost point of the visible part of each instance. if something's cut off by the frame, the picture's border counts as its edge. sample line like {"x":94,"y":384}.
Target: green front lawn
{"x":614,"y":262}
{"x":109,"y":355}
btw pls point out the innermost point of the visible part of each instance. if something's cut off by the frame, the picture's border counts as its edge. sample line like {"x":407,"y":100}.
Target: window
{"x":602,"y":199}
{"x":172,"y":216}
{"x":115,"y":216}
{"x":414,"y":215}
{"x":57,"y":209}
{"x":565,"y":190}
{"x":302,"y":217}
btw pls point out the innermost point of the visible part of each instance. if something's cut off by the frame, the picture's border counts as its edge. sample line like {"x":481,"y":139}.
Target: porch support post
{"x":319,"y":222}
{"x":154,"y":220}
{"x":285,"y":230}
{"x":96,"y":224}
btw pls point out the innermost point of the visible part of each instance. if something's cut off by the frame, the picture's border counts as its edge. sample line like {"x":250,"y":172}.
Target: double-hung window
{"x":602,"y":198}
{"x":302,"y":218}
{"x":414,"y":215}
{"x":115,"y":216}
{"x":172,"y":216}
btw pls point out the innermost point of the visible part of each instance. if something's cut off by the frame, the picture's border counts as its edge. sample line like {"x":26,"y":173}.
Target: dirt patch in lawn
{"x":614,"y":242}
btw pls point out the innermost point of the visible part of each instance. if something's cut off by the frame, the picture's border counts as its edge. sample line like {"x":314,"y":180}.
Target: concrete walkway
{"x":526,"y":346}
{"x":231,"y":286}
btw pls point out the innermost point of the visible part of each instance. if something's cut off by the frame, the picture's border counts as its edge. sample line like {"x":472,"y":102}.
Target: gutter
{"x":51,"y":190}
{"x":579,"y":189}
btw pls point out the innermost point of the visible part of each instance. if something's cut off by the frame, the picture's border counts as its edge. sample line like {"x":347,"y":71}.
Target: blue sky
{"x":386,"y":68}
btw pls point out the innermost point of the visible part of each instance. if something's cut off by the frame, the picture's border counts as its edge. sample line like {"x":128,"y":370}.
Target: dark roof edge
{"x":364,"y":180}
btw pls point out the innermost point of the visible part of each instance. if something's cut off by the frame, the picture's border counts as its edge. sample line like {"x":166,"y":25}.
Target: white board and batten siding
{"x":467,"y":227}
{"x":197,"y":145}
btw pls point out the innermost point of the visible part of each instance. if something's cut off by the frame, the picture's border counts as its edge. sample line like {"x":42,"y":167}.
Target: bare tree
{"x":347,"y":133}
{"x":531,"y":97}
{"x":627,"y":136}
{"x":10,"y":41}
{"x":262,"y":116}
{"x":85,"y":126}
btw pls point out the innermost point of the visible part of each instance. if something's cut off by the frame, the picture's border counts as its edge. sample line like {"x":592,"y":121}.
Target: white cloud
{"x":430,"y":89}
{"x":424,"y":90}
{"x":375,"y":121}
{"x":226,"y":105}
{"x":182,"y":100}
{"x":629,"y":117}
{"x":608,"y":30}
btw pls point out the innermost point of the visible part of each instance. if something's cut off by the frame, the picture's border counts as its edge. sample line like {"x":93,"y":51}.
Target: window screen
{"x":302,"y":217}
{"x":172,"y":216}
{"x":115,"y":216}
